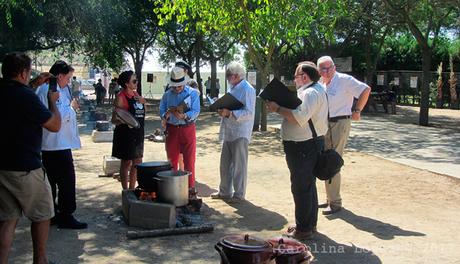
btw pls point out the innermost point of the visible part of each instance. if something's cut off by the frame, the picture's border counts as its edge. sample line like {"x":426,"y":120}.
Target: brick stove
{"x":154,"y":215}
{"x":147,"y":214}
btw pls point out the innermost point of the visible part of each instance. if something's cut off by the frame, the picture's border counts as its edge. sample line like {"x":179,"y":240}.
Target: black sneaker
{"x":71,"y":223}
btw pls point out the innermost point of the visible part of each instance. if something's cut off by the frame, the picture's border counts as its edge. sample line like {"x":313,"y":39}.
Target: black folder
{"x":227,"y":101}
{"x":277,"y":92}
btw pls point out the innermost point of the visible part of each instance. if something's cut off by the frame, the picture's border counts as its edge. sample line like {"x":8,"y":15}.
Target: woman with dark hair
{"x":128,"y":143}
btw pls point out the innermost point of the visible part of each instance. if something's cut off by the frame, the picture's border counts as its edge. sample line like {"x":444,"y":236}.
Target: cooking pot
{"x":100,"y":116}
{"x":172,"y":187}
{"x":290,"y":251}
{"x":102,"y":125}
{"x":244,"y":249}
{"x":147,"y":171}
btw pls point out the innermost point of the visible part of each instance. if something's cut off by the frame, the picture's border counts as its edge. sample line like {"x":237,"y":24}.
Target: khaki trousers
{"x":336,"y":138}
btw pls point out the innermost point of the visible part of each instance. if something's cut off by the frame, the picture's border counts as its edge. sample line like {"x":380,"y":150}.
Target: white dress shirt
{"x":314,"y":106}
{"x":67,"y":137}
{"x":241,"y":122}
{"x":341,"y":91}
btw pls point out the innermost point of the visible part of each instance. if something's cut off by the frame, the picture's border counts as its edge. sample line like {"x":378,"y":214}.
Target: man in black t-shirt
{"x":24,"y":189}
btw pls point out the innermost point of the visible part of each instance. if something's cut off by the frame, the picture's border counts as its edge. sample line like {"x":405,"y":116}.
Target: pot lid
{"x":172,"y":173}
{"x":154,"y":164}
{"x":246,"y":242}
{"x":287,"y":246}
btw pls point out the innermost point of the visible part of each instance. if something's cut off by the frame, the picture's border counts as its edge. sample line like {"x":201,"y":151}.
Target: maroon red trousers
{"x":182,"y":139}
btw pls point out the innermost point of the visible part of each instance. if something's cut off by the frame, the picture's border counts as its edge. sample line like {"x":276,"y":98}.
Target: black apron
{"x":128,"y":143}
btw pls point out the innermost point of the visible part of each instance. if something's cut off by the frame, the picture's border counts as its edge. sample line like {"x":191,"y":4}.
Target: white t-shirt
{"x":67,"y":137}
{"x":314,"y":106}
{"x":341,"y":91}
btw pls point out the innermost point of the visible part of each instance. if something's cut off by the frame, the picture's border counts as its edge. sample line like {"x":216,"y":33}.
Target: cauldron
{"x":244,"y":249}
{"x":290,"y":251}
{"x":147,"y":171}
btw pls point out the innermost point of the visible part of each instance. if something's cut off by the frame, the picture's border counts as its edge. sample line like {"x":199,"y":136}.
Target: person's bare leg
{"x":6,"y":238}
{"x":181,"y":162}
{"x":40,"y":231}
{"x":133,"y":173}
{"x":124,"y":172}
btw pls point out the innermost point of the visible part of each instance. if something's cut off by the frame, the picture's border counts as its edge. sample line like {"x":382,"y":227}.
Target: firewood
{"x":205,"y":228}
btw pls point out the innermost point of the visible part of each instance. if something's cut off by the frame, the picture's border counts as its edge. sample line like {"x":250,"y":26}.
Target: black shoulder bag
{"x":329,"y":161}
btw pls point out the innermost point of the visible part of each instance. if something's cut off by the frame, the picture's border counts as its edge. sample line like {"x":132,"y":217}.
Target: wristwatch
{"x":357,"y":110}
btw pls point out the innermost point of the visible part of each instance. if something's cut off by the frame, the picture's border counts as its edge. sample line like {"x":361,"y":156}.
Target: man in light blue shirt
{"x":179,"y":109}
{"x":235,"y":132}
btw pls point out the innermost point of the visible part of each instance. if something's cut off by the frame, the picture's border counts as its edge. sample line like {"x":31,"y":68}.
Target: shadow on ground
{"x":248,"y":212}
{"x":326,"y":250}
{"x":377,"y":228}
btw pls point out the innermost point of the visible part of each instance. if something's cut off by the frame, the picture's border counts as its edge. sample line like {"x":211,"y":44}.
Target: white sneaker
{"x":218,"y":195}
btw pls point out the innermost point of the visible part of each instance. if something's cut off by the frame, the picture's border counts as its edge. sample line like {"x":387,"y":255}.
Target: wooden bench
{"x":384,"y":98}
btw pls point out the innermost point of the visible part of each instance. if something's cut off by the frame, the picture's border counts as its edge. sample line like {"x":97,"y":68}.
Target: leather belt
{"x":337,"y":118}
{"x":182,"y":125}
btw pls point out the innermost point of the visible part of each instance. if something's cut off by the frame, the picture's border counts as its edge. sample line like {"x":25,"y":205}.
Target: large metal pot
{"x":147,"y":171}
{"x":173,"y":187}
{"x":244,"y":249}
{"x":290,"y":251}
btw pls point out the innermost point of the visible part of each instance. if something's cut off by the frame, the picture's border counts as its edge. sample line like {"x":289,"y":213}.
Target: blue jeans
{"x":301,"y":157}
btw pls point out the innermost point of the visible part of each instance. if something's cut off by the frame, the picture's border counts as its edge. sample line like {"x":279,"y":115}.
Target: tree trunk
{"x":214,"y":92}
{"x":263,"y":114}
{"x":225,"y":79}
{"x":425,"y":91}
{"x":138,"y":70}
{"x":198,"y":78}
{"x":260,"y":119}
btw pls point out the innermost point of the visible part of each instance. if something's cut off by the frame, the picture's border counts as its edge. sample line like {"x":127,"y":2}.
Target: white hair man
{"x":235,"y":132}
{"x":302,"y":132}
{"x":341,"y":90}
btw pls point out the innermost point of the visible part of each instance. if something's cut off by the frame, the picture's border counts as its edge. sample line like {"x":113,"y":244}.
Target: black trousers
{"x":301,"y":157}
{"x":61,"y":175}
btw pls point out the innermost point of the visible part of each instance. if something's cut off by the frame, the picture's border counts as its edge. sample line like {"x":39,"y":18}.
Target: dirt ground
{"x":393,"y":213}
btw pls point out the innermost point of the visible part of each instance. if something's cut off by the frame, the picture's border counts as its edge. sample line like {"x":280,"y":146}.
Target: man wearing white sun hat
{"x":180,"y":122}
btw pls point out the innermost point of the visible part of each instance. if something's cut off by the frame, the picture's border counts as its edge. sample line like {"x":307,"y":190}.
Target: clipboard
{"x":227,"y":101}
{"x":277,"y":92}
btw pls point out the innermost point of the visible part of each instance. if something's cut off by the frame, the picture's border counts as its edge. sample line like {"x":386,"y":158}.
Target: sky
{"x":151,"y":64}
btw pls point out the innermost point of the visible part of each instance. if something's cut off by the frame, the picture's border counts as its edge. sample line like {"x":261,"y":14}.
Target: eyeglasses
{"x":298,"y":75}
{"x":326,"y":69}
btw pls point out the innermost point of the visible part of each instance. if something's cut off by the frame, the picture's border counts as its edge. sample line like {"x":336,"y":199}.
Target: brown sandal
{"x":291,"y":229}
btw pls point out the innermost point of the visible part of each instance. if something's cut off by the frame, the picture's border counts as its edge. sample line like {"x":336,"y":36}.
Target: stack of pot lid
{"x":245,"y":242}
